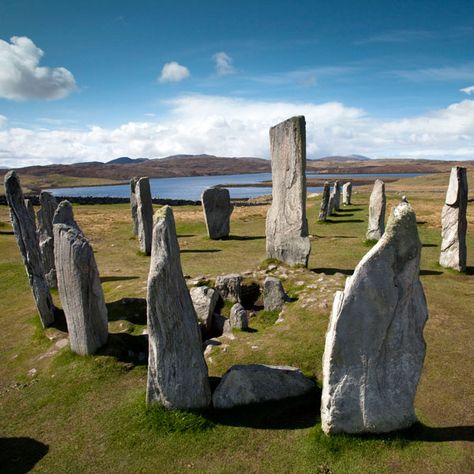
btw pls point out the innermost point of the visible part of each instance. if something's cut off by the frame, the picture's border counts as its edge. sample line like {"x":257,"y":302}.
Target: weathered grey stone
{"x":177,"y":371}
{"x":324,"y":209}
{"x":80,"y":291}
{"x":377,"y":204}
{"x":31,"y":210}
{"x":347,"y":194}
{"x":133,"y":204}
{"x":204,"y":302}
{"x":274,"y":296}
{"x":454,"y":222}
{"x":229,"y":287}
{"x":331,"y":204}
{"x":337,"y":196}
{"x":144,"y":214}
{"x":374,"y":344}
{"x":65,"y":215}
{"x":217,"y":209}
{"x":45,"y":214}
{"x":238,"y":317}
{"x":256,"y":383}
{"x":286,"y":225}
{"x":26,"y":237}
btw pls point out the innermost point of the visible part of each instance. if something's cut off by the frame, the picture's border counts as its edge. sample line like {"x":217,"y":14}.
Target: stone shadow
{"x":19,"y":455}
{"x":430,"y":245}
{"x":430,"y":272}
{"x":245,"y":237}
{"x":126,"y":348}
{"x":129,"y":309}
{"x":345,"y":221}
{"x":117,"y":278}
{"x":332,"y":271}
{"x":289,"y":414}
{"x":469,"y":270}
{"x":201,"y":250}
{"x":7,"y":232}
{"x":186,"y":235}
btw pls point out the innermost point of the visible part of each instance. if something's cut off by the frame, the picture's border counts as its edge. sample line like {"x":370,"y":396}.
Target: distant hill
{"x":125,"y":160}
{"x":338,"y":158}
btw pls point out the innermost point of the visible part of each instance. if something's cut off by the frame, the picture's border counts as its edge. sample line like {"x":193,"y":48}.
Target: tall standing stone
{"x":65,"y":215}
{"x":324,"y":209}
{"x":134,"y":205}
{"x":347,"y":194}
{"x":377,"y":205}
{"x":454,"y":222}
{"x":31,"y":210}
{"x":337,"y":196}
{"x":286,"y":226}
{"x":331,"y":204}
{"x":45,"y":215}
{"x":177,"y":371}
{"x":26,"y":237}
{"x":80,"y":290}
{"x":144,"y":214}
{"x":217,"y":209}
{"x":374,"y":344}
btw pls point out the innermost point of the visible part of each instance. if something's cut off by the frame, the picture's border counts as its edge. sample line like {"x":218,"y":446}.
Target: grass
{"x":87,"y":414}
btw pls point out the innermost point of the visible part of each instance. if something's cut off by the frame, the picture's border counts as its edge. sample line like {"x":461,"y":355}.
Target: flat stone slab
{"x":258,"y":383}
{"x":217,"y":209}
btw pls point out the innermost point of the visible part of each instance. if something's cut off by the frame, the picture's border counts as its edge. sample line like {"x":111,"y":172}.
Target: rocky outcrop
{"x":144,"y":215}
{"x":255,"y":383}
{"x":217,"y":209}
{"x":204,"y":302}
{"x":80,"y":290}
{"x":347,"y":194}
{"x":286,"y":225}
{"x":229,"y":287}
{"x":274,"y":296}
{"x":177,"y":372}
{"x":238,"y":317}
{"x":324,"y":209}
{"x":454,"y":222}
{"x":45,"y":216}
{"x":374,"y":348}
{"x":134,"y":205}
{"x":26,"y":237}
{"x":377,"y":205}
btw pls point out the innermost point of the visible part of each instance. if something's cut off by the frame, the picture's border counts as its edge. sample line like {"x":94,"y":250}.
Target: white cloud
{"x":21,"y":77}
{"x":223,"y":64}
{"x":239,"y":127}
{"x":173,"y":72}
{"x":461,"y":72}
{"x":467,"y":90}
{"x":3,"y":120}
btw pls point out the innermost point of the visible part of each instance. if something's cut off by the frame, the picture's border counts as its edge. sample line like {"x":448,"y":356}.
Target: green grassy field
{"x":65,"y":413}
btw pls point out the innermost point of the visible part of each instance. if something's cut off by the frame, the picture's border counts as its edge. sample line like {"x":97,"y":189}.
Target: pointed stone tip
{"x":164,"y":213}
{"x":10,"y":175}
{"x":297,"y":118}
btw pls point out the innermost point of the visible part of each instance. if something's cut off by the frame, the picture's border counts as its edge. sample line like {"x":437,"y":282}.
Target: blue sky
{"x":144,"y":78}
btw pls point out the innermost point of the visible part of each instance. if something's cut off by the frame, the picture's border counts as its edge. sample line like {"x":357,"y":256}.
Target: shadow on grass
{"x":186,"y":235}
{"x":129,"y":309}
{"x":421,"y":222}
{"x":126,"y":348}
{"x":430,"y":272}
{"x":469,"y":270}
{"x":290,"y":414}
{"x":345,"y":221}
{"x":59,"y":320}
{"x":6,"y":232}
{"x":351,"y":209}
{"x":244,"y":237}
{"x":201,"y":250}
{"x":19,"y":455}
{"x":117,"y":278}
{"x":342,"y":213}
{"x":332,"y":271}
{"x":429,"y":245}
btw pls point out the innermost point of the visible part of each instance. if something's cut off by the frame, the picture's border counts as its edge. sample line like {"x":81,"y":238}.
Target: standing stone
{"x":347,"y":194}
{"x":26,"y":237}
{"x":64,"y":215}
{"x":134,"y":205}
{"x":45,"y":215}
{"x":324,"y":209}
{"x":31,"y":210}
{"x":377,"y":204}
{"x":204,"y":302}
{"x":238,"y":317}
{"x":337,"y":196}
{"x":286,"y":226}
{"x":454,"y":222}
{"x":229,"y":287}
{"x":331,"y":204}
{"x":80,"y":291}
{"x":144,"y":214}
{"x":274,"y":296}
{"x":217,"y":209}
{"x":374,"y":344}
{"x":177,"y":371}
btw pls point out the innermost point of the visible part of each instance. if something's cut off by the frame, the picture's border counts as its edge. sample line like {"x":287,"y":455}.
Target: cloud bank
{"x":21,"y":77}
{"x":239,"y":127}
{"x":173,"y":72}
{"x":223,"y":64}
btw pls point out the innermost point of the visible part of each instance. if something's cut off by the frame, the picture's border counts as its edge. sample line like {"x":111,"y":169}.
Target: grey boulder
{"x":204,"y":302}
{"x":229,"y":287}
{"x":238,"y":317}
{"x":257,"y":383}
{"x":217,"y":209}
{"x":374,"y":347}
{"x":274,"y":296}
{"x":48,"y":205}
